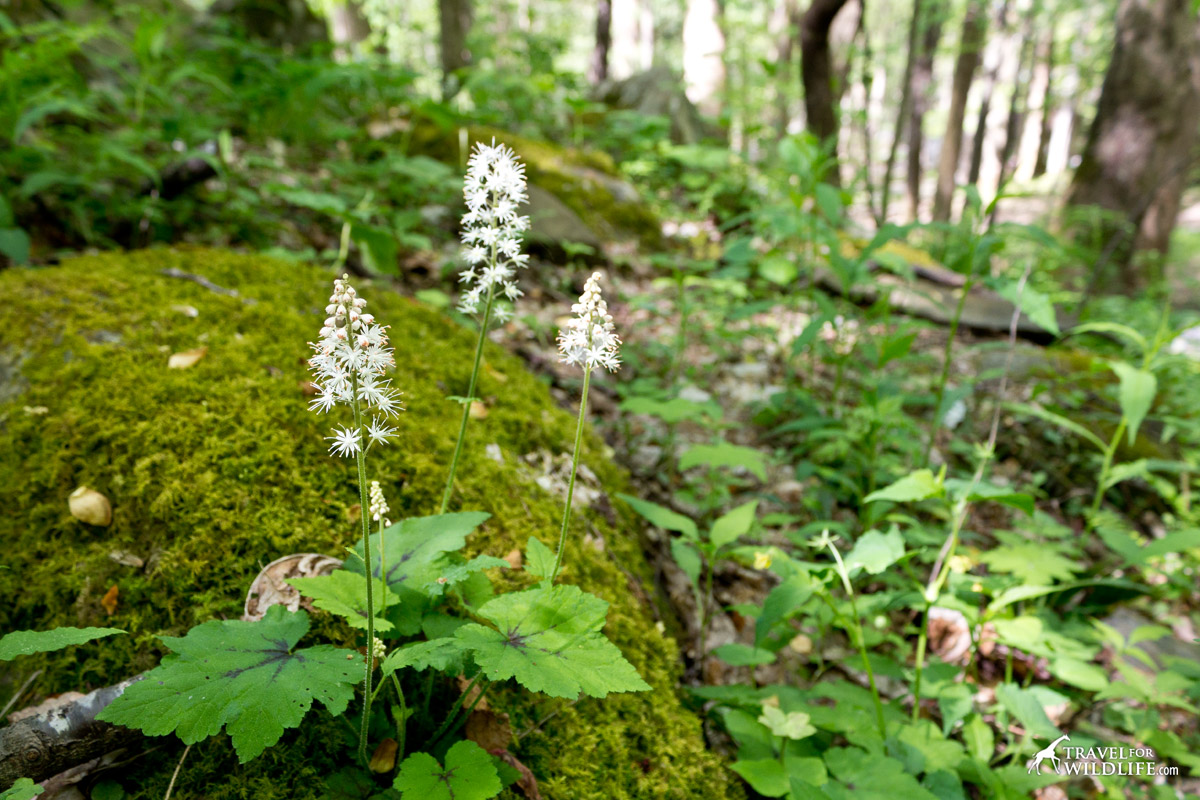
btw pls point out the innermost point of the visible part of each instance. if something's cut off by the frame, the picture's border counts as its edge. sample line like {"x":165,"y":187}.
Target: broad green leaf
{"x":725,"y":455}
{"x":1036,"y":563}
{"x":241,"y":676}
{"x":539,"y":559}
{"x":938,"y":752}
{"x":1058,"y":420}
{"x":1025,"y":706}
{"x":378,"y":247}
{"x":55,"y":106}
{"x":344,"y":593}
{"x":687,"y":558}
{"x":1148,"y":633}
{"x":974,"y":492}
{"x":549,"y":639}
{"x":440,"y":654}
{"x":778,"y":268}
{"x":24,"y":643}
{"x":316,"y":201}
{"x":454,"y":574}
{"x":1072,"y":671}
{"x":675,"y":410}
{"x":662,"y":517}
{"x":1032,"y":303}
{"x":978,"y":736}
{"x":915,"y":486}
{"x":829,"y":200}
{"x":793,"y":725}
{"x":469,"y":774}
{"x":23,"y":789}
{"x":804,"y":774}
{"x":873,"y":776}
{"x":767,"y":776}
{"x":954,"y":702}
{"x":1123,"y":331}
{"x":728,"y":528}
{"x":14,"y":245}
{"x":1138,"y":387}
{"x":784,"y":599}
{"x":1023,"y":633}
{"x":743,"y":655}
{"x":417,"y":556}
{"x":875,"y":551}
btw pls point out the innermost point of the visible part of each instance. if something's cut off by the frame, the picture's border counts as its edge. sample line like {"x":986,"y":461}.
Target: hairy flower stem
{"x":383,"y":573}
{"x":562,"y":536}
{"x":466,"y":414}
{"x":862,"y":644}
{"x":363,"y":514}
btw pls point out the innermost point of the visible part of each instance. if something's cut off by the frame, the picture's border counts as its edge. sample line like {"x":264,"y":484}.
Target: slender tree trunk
{"x":817,"y":75}
{"x":454,"y":17}
{"x":783,"y":28}
{"x":921,"y":96}
{"x":906,"y":86}
{"x":1018,"y":106}
{"x":1140,"y":146}
{"x":1043,"y":146}
{"x":704,"y":55}
{"x":992,"y":61}
{"x":973,"y":29}
{"x":599,"y":67}
{"x":348,"y":28}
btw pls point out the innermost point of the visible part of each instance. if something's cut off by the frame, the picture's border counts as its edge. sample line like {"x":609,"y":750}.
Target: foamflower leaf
{"x":24,"y":643}
{"x":242,"y":676}
{"x":469,"y":774}
{"x":345,"y":593}
{"x":549,"y":639}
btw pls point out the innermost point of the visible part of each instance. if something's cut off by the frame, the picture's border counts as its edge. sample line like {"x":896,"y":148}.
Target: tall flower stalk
{"x":588,"y":341}
{"x":494,"y":188}
{"x":351,"y":356}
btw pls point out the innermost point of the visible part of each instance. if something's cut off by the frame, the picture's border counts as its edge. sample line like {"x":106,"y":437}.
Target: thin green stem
{"x":862,"y":642}
{"x":364,"y":514}
{"x":562,"y":536}
{"x":946,"y":354}
{"x":466,"y":712}
{"x":454,"y":709}
{"x":466,"y":412}
{"x":401,"y":728}
{"x":922,"y":638}
{"x":1109,"y":453}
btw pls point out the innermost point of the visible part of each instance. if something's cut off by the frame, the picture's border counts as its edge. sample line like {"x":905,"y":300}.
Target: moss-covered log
{"x":217,"y":469}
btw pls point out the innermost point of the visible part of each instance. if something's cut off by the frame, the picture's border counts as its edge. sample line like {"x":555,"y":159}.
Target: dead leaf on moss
{"x":270,"y":587}
{"x":526,"y":783}
{"x":514,"y":559}
{"x":126,"y":559}
{"x":383,"y":760}
{"x":109,"y":601}
{"x":186,"y":359}
{"x":463,"y":683}
{"x":187,"y":311}
{"x":489,"y":729}
{"x":88,"y":505}
{"x":354,"y":512}
{"x":478,"y":410}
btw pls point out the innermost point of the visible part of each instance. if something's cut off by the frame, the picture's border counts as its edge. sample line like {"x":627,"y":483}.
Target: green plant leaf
{"x":539,"y":559}
{"x":743,"y":655}
{"x":725,"y":455}
{"x":978,"y":736}
{"x":874,"y":777}
{"x":1058,"y":420}
{"x":737,"y":523}
{"x":766,"y":776}
{"x":784,"y":599}
{"x":24,"y":643}
{"x":417,"y":556}
{"x":662,"y":517}
{"x":1035,"y":563}
{"x":1115,"y":328}
{"x":976,"y":492}
{"x":469,"y":774}
{"x":1025,"y":706}
{"x":1136,"y":394}
{"x":549,"y":639}
{"x":241,"y":676}
{"x":14,"y":245}
{"x":793,"y":725}
{"x":344,"y":593}
{"x":875,"y":551}
{"x":915,"y":486}
{"x":1032,"y":303}
{"x":778,"y":268}
{"x":1072,"y":671}
{"x":442,"y":655}
{"x":677,"y":409}
{"x":23,"y":789}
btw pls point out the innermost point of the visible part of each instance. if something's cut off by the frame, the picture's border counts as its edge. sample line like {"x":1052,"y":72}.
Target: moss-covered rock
{"x":216,"y":469}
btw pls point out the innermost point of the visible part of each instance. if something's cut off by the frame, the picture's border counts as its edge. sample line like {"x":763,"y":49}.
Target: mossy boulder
{"x":216,"y":469}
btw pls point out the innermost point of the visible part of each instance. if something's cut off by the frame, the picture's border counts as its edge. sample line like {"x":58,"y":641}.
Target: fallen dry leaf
{"x":514,"y":559}
{"x":186,"y":359}
{"x":489,"y":729}
{"x":270,"y":587}
{"x":383,"y":760}
{"x":126,"y":559}
{"x":463,"y":683}
{"x":88,"y":505}
{"x":478,"y":410}
{"x":526,"y":783}
{"x":109,"y":601}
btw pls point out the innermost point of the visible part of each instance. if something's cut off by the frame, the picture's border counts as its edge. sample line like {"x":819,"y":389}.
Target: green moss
{"x":215,"y":470}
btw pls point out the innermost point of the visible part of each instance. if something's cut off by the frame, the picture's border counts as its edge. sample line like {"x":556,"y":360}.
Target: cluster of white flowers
{"x":589,"y":340}
{"x":378,"y":504}
{"x":352,"y":354}
{"x":494,"y":189}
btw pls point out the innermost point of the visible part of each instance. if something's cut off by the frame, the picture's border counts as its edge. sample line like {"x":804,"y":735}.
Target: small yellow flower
{"x":762,"y":559}
{"x":961,"y":564}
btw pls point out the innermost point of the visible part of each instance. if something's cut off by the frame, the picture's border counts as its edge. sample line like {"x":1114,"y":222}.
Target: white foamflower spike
{"x":589,"y":340}
{"x":494,"y":188}
{"x":350,"y":359}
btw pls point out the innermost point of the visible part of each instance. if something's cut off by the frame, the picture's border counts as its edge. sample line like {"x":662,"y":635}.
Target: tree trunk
{"x":906,"y":86}
{"x":816,"y":72}
{"x":992,"y":62}
{"x":599,"y":68}
{"x":973,"y":29}
{"x":1043,"y":146}
{"x":922,"y":86}
{"x":454,"y":17}
{"x":783,"y":28}
{"x":704,"y":56}
{"x":1015,"y":123}
{"x":348,"y":28}
{"x":1140,"y":146}
{"x":632,"y":49}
